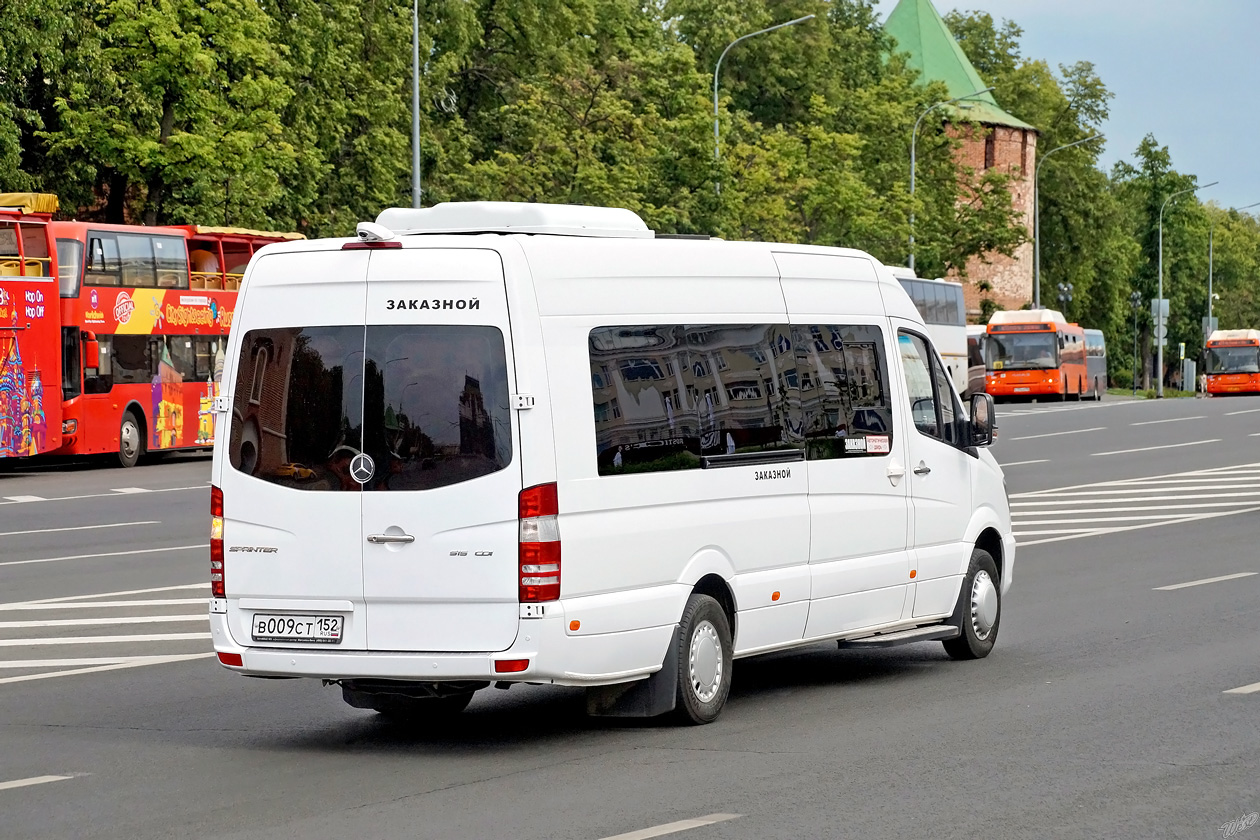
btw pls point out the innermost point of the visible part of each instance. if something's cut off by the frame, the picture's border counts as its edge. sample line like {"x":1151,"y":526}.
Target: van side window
{"x":919,"y":386}
{"x":933,"y":406}
{"x":645,"y":418}
{"x":664,"y":395}
{"x":852,"y":403}
{"x":742,"y":407}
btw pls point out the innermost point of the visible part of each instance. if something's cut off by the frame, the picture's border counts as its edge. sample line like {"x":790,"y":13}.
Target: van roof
{"x":516,"y":217}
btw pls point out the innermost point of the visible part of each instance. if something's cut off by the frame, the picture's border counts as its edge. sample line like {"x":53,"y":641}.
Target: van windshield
{"x":428,"y":404}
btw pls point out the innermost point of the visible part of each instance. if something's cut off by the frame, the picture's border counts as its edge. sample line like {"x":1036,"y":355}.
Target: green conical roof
{"x":920,"y":31}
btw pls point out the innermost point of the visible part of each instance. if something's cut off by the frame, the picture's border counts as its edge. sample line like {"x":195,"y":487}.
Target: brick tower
{"x":991,"y":138}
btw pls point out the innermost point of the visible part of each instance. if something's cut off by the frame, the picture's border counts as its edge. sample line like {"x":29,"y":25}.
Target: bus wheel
{"x":979,"y":610}
{"x":705,"y":656}
{"x":130,"y":441}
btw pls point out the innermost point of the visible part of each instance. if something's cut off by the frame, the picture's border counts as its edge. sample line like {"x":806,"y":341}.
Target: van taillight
{"x":539,"y":544}
{"x":216,"y":543}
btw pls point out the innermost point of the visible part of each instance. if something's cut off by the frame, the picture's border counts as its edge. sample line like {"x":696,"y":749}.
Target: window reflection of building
{"x":476,"y":432}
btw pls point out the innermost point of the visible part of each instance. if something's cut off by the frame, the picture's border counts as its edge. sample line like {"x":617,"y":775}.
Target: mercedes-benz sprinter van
{"x":497,"y":443}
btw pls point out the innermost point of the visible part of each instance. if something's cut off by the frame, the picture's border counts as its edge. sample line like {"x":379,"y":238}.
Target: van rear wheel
{"x":705,"y":657}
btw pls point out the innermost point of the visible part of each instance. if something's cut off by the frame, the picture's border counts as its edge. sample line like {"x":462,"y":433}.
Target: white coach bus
{"x":512,"y":443}
{"x":940,"y":305}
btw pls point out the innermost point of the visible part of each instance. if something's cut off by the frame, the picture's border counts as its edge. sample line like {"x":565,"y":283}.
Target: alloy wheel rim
{"x":705,"y":664}
{"x":984,"y":605}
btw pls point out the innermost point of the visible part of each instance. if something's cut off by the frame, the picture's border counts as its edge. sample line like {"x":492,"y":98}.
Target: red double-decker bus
{"x":130,"y":342}
{"x":30,"y":350}
{"x":1034,"y":353}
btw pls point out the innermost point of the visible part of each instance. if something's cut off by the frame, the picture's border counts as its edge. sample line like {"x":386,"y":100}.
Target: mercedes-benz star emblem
{"x":362,"y":468}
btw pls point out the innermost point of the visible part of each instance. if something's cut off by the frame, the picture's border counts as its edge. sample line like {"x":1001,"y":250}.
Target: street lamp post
{"x":717,"y":68}
{"x":1037,"y":214}
{"x":1159,"y":343}
{"x":1211,"y":233}
{"x":914,"y":136}
{"x":415,"y":103}
{"x":1135,"y":300}
{"x":1065,"y":296}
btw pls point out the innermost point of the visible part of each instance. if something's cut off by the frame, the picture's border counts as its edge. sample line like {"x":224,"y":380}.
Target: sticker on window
{"x":877,"y":444}
{"x":857,"y":444}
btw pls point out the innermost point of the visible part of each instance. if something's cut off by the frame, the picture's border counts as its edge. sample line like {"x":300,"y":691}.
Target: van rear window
{"x":427,"y":404}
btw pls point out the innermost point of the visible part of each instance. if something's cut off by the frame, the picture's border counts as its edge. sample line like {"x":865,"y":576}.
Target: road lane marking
{"x":1152,"y":448}
{"x":91,"y":622}
{"x":156,"y":660}
{"x":104,"y":640}
{"x":1244,"y":689}
{"x":1061,"y":511}
{"x":92,"y":605}
{"x":1203,"y":581}
{"x":106,"y":554}
{"x":79,"y":528}
{"x":1078,"y":496}
{"x":14,"y":500}
{"x":33,"y":780}
{"x":1081,"y":531}
{"x":1254,"y":434}
{"x":1023,"y":463}
{"x":1245,"y":411}
{"x":64,"y":598}
{"x":66,"y":663}
{"x":1056,"y":434}
{"x":1023,"y":522}
{"x":1103,"y":531}
{"x":674,"y":827}
{"x":130,"y":490}
{"x":1167,"y":420}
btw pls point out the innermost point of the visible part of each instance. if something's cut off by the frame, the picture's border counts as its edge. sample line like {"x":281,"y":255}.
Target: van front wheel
{"x":705,"y":656}
{"x":979,"y":610}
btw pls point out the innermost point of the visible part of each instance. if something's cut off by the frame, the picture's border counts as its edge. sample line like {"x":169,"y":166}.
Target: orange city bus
{"x":1233,"y":362}
{"x":1034,"y":353}
{"x":143,"y":319}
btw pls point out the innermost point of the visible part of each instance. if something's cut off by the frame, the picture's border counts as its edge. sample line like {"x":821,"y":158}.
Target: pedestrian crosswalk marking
{"x":1108,"y":507}
{"x":50,"y":655}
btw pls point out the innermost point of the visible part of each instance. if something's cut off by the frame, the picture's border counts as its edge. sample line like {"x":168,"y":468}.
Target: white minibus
{"x":497,"y":443}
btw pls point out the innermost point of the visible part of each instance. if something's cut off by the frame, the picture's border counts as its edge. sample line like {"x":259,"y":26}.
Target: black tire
{"x":130,"y":440}
{"x":705,"y":657}
{"x":979,"y":607}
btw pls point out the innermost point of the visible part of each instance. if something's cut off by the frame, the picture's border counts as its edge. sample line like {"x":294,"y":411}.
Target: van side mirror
{"x":982,"y":420}
{"x":91,"y":350}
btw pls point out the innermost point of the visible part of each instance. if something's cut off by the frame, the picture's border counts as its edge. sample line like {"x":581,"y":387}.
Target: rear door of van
{"x":440,"y":505}
{"x":293,"y":547}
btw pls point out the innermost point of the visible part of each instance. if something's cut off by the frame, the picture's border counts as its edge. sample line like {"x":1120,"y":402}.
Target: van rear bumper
{"x":554,"y":657}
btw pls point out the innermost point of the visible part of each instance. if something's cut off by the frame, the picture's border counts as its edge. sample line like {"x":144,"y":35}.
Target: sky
{"x":1187,"y":71}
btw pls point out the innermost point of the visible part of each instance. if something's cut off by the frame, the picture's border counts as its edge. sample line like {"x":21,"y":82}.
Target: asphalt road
{"x":1102,"y":712}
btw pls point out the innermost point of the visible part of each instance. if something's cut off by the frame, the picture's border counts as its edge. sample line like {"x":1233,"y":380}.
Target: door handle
{"x":922,"y":469}
{"x":390,"y":538}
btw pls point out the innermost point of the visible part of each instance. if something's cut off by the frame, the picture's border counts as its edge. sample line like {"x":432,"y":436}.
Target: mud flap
{"x":653,"y":696}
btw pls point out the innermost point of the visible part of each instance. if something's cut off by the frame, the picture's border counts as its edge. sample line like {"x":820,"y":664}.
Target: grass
{"x":1149,"y":393}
